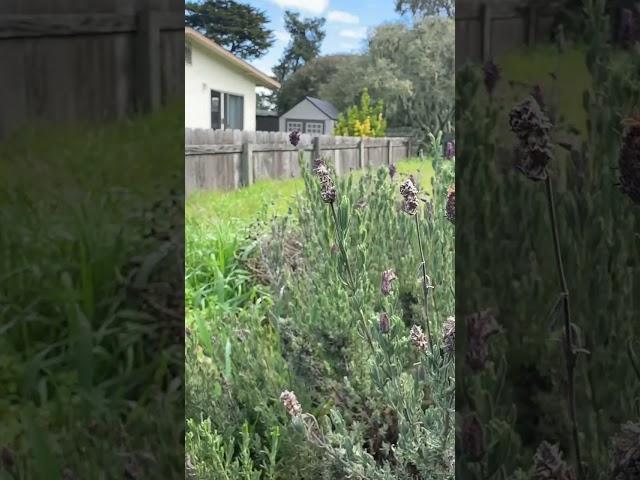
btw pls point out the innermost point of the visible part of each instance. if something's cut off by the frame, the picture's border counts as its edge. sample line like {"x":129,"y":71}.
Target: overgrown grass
{"x":87,"y":363}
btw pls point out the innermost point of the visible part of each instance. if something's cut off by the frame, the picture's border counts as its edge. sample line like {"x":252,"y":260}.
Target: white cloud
{"x":311,"y":6}
{"x":339,"y":16}
{"x":282,"y":36}
{"x":355,"y":33}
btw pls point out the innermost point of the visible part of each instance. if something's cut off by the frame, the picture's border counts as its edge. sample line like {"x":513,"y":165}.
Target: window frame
{"x":304,"y":123}
{"x":314,"y":123}
{"x":289,"y":130}
{"x":220,"y":108}
{"x":188,"y":53}
{"x":226,"y":110}
{"x":224,"y":95}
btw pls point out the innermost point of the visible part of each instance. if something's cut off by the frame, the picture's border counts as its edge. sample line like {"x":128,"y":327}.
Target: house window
{"x":227,"y":111}
{"x":187,"y":53}
{"x":216,"y":110}
{"x":292,"y":126}
{"x":233,"y":112}
{"x":316,"y":128}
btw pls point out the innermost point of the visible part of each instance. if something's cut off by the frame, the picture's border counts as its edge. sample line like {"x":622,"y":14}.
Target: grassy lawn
{"x":270,"y":197}
{"x":563,"y":78}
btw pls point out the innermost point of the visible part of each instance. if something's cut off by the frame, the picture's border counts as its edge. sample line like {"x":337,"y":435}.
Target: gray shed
{"x":311,"y":115}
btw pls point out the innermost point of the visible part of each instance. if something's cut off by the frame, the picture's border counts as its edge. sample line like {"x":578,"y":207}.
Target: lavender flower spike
{"x":290,"y":402}
{"x":388,"y":276}
{"x":294,"y":138}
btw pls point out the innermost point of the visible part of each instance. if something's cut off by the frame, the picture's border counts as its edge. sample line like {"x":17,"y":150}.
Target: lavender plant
{"x":578,"y":230}
{"x":413,"y":402}
{"x":532,"y":127}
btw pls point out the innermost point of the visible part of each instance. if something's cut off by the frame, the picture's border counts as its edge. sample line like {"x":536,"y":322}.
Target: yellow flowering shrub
{"x":363,"y":120}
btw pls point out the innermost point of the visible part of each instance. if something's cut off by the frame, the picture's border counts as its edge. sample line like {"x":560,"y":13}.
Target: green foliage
{"x":426,"y":7}
{"x":308,"y":80}
{"x":410,"y":68}
{"x":386,"y":373}
{"x":241,"y":29}
{"x":598,"y":238}
{"x":363,"y":120}
{"x":302,"y":331}
{"x":306,"y":38}
{"x":216,"y":282}
{"x":211,"y":456}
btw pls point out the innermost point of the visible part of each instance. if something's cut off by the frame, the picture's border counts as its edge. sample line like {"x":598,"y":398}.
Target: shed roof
{"x":325,"y":107}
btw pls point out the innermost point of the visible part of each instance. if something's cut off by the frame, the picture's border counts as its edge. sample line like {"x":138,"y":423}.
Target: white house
{"x":220,"y":88}
{"x":311,"y":115}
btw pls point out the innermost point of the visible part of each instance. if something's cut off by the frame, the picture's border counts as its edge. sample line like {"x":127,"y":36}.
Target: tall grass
{"x":90,"y":362}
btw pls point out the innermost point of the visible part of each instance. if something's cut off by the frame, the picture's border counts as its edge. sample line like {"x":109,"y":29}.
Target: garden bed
{"x":273,"y":307}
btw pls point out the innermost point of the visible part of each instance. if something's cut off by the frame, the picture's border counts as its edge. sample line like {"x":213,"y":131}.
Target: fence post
{"x":361,"y":154}
{"x":389,"y":152}
{"x":409,"y":152}
{"x":246,"y":164}
{"x":486,"y":32}
{"x":148,"y":61}
{"x":316,"y":150}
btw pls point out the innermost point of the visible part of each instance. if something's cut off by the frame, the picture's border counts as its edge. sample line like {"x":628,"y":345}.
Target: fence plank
{"x":25,"y":26}
{"x":148,"y":61}
{"x":56,"y":25}
{"x":486,"y":32}
{"x":532,"y":22}
{"x":316,"y":153}
{"x":190,"y":150}
{"x":247,"y":164}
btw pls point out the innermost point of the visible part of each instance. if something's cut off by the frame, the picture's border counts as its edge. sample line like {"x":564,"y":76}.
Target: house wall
{"x":306,"y":110}
{"x":209,"y":72}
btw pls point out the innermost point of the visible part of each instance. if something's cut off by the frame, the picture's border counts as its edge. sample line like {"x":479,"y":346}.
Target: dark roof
{"x":266,"y":113}
{"x":325,"y":107}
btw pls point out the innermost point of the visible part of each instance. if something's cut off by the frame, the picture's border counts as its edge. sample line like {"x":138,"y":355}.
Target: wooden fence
{"x":487,"y":29}
{"x":76,"y":61}
{"x":230,"y":159}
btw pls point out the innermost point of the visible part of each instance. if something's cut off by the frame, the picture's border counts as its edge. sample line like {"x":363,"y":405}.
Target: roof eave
{"x":260,"y":78}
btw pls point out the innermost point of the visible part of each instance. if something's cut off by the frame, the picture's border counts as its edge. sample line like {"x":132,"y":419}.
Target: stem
{"x":568,"y":350}
{"x":425,"y":290}
{"x":363,"y":321}
{"x":341,"y":246}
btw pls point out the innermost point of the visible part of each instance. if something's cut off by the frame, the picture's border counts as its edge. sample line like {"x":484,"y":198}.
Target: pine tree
{"x":239,"y":28}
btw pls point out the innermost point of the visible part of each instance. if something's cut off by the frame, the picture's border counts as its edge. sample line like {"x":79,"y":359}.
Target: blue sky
{"x":347,"y":23}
